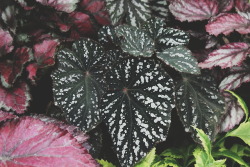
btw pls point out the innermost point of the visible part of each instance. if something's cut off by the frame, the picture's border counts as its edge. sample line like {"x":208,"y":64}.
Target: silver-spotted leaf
{"x":133,"y":11}
{"x":137,"y":107}
{"x":78,"y":83}
{"x":159,"y":8}
{"x":180,"y":58}
{"x":199,"y":103}
{"x":107,"y":36}
{"x":135,"y":41}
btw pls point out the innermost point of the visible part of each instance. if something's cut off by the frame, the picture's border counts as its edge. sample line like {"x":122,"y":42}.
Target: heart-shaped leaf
{"x":137,"y":107}
{"x":78,"y":83}
{"x":199,"y":103}
{"x":180,"y":58}
{"x":135,"y":41}
{"x":6,"y":42}
{"x":134,"y":11}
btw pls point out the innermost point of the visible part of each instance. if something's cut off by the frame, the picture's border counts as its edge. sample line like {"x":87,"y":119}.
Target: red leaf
{"x":31,"y":142}
{"x":97,"y":8}
{"x":227,"y":23}
{"x":238,"y":76}
{"x":44,"y":52}
{"x":12,"y":69}
{"x":82,"y":22}
{"x":193,"y":10}
{"x":61,"y":5}
{"x":32,"y":69}
{"x":5,"y":42}
{"x":234,"y":113}
{"x":6,"y":115}
{"x":229,"y":55}
{"x":15,"y":99}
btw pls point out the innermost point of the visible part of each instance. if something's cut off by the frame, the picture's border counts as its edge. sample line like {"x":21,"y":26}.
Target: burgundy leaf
{"x":194,"y":10}
{"x":225,"y":5}
{"x":97,"y":8}
{"x":227,"y":23}
{"x":61,"y":5}
{"x":238,"y":76}
{"x":229,"y":55}
{"x":6,"y":115}
{"x":25,"y":4}
{"x":5,"y":42}
{"x":32,"y":69}
{"x":31,"y":142}
{"x":234,"y":113}
{"x":10,"y":70}
{"x":242,"y":5}
{"x":82,"y":22}
{"x":16,"y":98}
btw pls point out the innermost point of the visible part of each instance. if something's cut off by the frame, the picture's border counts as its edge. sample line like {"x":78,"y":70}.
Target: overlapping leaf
{"x":61,"y":5}
{"x":15,"y":99}
{"x":10,"y":70}
{"x":136,"y":107}
{"x":5,"y":42}
{"x":199,"y":103}
{"x":6,"y":115}
{"x":107,"y":37}
{"x":180,"y":58}
{"x":159,"y":8}
{"x":193,"y":10}
{"x":9,"y":17}
{"x":82,"y":22}
{"x":134,"y":11}
{"x":135,"y":41}
{"x":229,"y":55}
{"x":78,"y":83}
{"x":31,"y":142}
{"x":227,"y":23}
{"x":238,"y":76}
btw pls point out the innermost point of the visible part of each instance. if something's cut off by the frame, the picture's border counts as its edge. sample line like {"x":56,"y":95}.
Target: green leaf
{"x":242,"y":103}
{"x":167,"y":162}
{"x":105,"y":163}
{"x":173,"y":153}
{"x":107,"y":37}
{"x":181,"y":59}
{"x":159,"y":8}
{"x":205,"y":141}
{"x":135,"y":41}
{"x":148,"y":160}
{"x":240,"y":150}
{"x":78,"y":83}
{"x":137,"y":107}
{"x":199,"y":103}
{"x":242,"y":132}
{"x":134,"y":11}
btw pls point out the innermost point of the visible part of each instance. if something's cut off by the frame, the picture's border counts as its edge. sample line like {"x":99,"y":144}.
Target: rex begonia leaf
{"x":78,"y":83}
{"x":199,"y":103}
{"x":133,"y":11}
{"x":31,"y":142}
{"x":227,"y":23}
{"x":107,"y":37}
{"x":32,"y":70}
{"x":61,"y":5}
{"x":242,"y":5}
{"x":225,"y":5}
{"x":5,"y":42}
{"x":82,"y":22}
{"x":6,"y":115}
{"x":159,"y":8}
{"x":180,"y":58}
{"x":137,"y":107}
{"x":15,"y":99}
{"x":229,"y":55}
{"x":234,"y":113}
{"x":97,"y":9}
{"x":9,"y":17}
{"x":187,"y":10}
{"x":26,"y":4}
{"x":10,"y":70}
{"x":135,"y":41}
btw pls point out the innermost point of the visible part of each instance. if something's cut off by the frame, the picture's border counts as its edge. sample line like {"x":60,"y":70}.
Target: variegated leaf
{"x":181,"y":59}
{"x":159,"y":8}
{"x":238,"y":76}
{"x":107,"y":37}
{"x":229,"y":55}
{"x":137,"y":107}
{"x":199,"y":104}
{"x":133,"y":11}
{"x":78,"y":83}
{"x":135,"y":41}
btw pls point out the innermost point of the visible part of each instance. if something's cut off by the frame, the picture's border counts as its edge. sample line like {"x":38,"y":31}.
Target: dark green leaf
{"x":137,"y":107}
{"x":159,"y":8}
{"x":181,"y":59}
{"x":199,"y":103}
{"x":78,"y":83}
{"x":107,"y":37}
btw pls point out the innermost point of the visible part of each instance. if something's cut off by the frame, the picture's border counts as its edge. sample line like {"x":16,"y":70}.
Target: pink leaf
{"x":61,"y":5}
{"x":242,"y":5}
{"x":82,"y":22}
{"x":31,"y":142}
{"x":11,"y":69}
{"x":193,"y":10}
{"x":97,"y":8}
{"x":229,"y":55}
{"x":225,"y":5}
{"x":16,"y":98}
{"x":238,"y":76}
{"x":5,"y":42}
{"x":234,"y":113}
{"x":227,"y":23}
{"x":6,"y":115}
{"x":32,"y":69}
